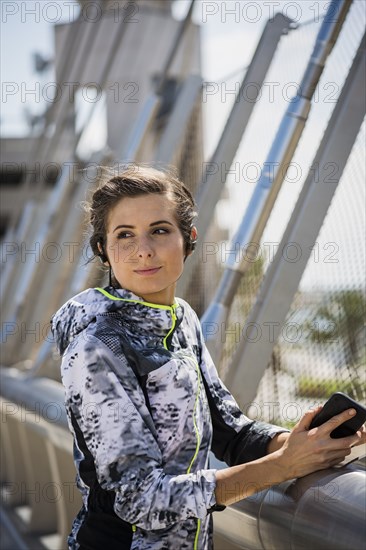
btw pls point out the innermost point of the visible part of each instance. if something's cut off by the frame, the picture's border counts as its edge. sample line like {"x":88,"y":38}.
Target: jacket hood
{"x":82,"y":310}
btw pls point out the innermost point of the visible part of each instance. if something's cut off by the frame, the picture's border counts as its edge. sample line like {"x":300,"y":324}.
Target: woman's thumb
{"x":305,"y":421}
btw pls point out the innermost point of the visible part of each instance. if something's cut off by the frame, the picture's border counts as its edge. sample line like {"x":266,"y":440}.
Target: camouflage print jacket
{"x":145,"y":406}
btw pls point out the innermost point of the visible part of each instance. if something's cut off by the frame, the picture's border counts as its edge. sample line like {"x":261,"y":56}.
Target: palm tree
{"x":343,"y":318}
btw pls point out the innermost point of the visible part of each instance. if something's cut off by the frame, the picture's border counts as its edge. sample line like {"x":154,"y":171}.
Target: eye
{"x":124,"y":235}
{"x":161,"y":231}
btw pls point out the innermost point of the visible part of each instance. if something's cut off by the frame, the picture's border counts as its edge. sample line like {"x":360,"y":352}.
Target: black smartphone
{"x":337,"y":403}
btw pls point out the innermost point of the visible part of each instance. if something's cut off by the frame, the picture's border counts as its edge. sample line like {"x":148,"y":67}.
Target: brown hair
{"x":132,"y":181}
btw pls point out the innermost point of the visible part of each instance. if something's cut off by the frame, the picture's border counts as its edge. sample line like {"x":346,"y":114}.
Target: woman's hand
{"x":290,"y":455}
{"x":306,"y":451}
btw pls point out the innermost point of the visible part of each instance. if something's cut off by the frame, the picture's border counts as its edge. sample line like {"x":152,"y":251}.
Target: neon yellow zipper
{"x":150,"y":304}
{"x":198,"y":440}
{"x":174,"y":318}
{"x":195,"y":546}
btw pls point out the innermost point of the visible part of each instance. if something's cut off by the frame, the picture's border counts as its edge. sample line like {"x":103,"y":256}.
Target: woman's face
{"x":145,"y":247}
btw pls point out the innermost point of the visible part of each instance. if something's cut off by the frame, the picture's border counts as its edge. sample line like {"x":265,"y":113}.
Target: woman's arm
{"x":277,"y":442}
{"x":301,"y":452}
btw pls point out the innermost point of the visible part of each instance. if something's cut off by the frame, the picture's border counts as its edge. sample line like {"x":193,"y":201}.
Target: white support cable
{"x":210,"y":187}
{"x":63,"y":185}
{"x":81,"y":276}
{"x":174,"y":48}
{"x":71,"y":43}
{"x":64,"y":106}
{"x":282,"y":278}
{"x":268,"y":185}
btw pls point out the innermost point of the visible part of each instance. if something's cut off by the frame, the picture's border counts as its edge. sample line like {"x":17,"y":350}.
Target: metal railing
{"x":36,"y":449}
{"x":323,"y":510}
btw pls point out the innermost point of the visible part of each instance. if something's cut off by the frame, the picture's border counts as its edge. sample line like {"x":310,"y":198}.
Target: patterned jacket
{"x":145,"y":406}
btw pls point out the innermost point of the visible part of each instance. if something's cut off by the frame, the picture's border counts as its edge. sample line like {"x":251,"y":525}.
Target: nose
{"x":145,"y":248}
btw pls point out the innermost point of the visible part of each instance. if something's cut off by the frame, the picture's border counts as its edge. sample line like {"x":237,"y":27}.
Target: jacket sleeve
{"x":111,"y":413}
{"x":236,"y":438}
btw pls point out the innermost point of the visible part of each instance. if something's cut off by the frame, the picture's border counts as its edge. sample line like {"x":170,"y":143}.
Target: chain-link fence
{"x":322,"y":344}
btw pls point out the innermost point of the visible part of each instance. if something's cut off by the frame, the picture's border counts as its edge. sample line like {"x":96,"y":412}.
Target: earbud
{"x":102,"y":255}
{"x":103,"y":258}
{"x":192,"y":244}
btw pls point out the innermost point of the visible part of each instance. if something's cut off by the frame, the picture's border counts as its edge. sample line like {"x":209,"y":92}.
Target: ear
{"x":193,"y":240}
{"x":102,"y":256}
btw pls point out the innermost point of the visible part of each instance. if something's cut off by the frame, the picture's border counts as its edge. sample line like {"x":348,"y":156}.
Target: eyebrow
{"x":133,"y":227}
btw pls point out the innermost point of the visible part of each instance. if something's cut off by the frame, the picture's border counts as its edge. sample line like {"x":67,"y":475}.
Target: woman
{"x":144,"y":401}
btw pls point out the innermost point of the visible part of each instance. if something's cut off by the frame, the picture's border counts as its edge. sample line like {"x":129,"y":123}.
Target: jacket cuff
{"x":213,"y":506}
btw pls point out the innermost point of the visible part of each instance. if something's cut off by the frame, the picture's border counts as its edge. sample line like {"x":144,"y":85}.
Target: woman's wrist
{"x":238,"y":482}
{"x":277,"y":442}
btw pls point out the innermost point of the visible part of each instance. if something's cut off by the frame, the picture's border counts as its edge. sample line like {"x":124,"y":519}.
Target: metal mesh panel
{"x":322,"y":348}
{"x":330,"y":355}
{"x":286,"y":68}
{"x":190,"y":156}
{"x":189,"y":164}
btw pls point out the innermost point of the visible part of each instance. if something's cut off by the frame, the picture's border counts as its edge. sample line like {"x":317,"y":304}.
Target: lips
{"x":147,"y":271}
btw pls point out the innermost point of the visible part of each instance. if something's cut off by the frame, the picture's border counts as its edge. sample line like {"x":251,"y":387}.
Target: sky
{"x":230,"y":31}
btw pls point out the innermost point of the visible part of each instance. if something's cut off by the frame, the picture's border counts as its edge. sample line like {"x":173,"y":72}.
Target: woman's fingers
{"x":307,"y":450}
{"x":305,"y":421}
{"x":361,"y":436}
{"x":336,"y":421}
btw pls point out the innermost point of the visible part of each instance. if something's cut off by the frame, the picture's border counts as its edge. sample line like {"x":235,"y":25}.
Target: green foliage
{"x":289,"y":424}
{"x":343,"y":318}
{"x":320,"y":388}
{"x":241,"y":307}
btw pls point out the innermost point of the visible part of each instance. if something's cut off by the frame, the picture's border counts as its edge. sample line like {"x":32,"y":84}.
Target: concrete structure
{"x":134,"y":40}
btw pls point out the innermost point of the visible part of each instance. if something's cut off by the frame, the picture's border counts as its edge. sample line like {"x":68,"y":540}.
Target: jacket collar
{"x":139,"y":314}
